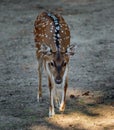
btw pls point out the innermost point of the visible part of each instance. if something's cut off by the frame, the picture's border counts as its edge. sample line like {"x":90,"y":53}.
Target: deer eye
{"x":64,"y":63}
{"x":52,"y":64}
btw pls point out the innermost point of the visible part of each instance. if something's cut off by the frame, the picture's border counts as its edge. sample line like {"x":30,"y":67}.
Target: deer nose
{"x":58,"y":80}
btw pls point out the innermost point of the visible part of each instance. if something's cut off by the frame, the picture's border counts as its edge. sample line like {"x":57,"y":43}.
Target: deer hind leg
{"x":40,"y":69}
{"x":51,"y":89}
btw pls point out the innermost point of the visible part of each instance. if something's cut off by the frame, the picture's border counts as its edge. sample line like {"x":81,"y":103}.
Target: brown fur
{"x":54,"y":60}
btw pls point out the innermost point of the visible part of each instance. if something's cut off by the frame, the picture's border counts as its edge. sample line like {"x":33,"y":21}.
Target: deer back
{"x":51,"y":31}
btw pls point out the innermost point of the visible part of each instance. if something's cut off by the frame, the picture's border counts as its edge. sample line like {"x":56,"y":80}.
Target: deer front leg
{"x":39,"y":94}
{"x":52,"y":89}
{"x":63,"y":101}
{"x":57,"y":99}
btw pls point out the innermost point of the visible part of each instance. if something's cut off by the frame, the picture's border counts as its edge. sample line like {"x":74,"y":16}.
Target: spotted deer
{"x":52,"y":38}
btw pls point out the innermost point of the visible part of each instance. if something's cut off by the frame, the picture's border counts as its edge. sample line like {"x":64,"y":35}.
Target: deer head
{"x":57,"y":63}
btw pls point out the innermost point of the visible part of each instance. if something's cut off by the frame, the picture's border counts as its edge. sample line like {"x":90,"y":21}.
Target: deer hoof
{"x":39,"y":98}
{"x":57,"y":103}
{"x":51,"y":112}
{"x":62,"y":107}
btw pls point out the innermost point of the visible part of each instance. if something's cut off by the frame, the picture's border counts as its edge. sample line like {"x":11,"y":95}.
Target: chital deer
{"x":52,"y":38}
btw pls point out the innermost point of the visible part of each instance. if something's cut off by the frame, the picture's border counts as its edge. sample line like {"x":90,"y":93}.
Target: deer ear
{"x":71,"y":50}
{"x":45,"y":49}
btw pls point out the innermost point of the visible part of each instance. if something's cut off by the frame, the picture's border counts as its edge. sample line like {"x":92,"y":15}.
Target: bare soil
{"x":90,"y":96}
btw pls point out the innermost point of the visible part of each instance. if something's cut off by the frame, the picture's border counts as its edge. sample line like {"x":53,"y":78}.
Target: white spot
{"x":54,"y":38}
{"x":57,"y":40}
{"x":58,"y":35}
{"x":54,"y":18}
{"x":51,"y":28}
{"x":60,"y":39}
{"x":51,"y":23}
{"x":56,"y":23}
{"x":44,"y":25}
{"x":45,"y":34}
{"x":58,"y":28}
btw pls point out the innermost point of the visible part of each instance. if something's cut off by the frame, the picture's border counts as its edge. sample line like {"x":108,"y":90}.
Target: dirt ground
{"x":90,"y":96}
